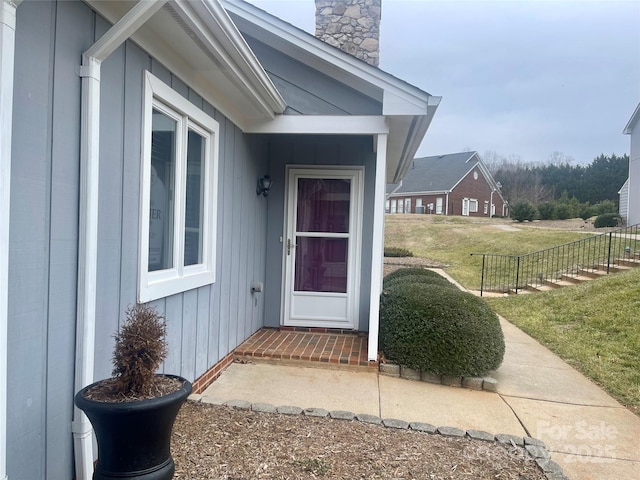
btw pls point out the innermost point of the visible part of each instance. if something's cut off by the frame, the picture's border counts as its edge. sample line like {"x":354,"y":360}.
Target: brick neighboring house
{"x":453,"y":184}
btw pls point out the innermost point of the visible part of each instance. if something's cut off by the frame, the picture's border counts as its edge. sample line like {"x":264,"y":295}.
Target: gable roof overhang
{"x":198,"y":41}
{"x":632,"y":121}
{"x":407,"y":111}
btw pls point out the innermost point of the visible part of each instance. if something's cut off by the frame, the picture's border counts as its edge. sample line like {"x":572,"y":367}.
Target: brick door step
{"x":473,"y":383}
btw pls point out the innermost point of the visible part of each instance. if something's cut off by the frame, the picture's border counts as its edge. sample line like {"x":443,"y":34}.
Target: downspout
{"x":377,"y":247}
{"x":446,"y":206}
{"x":7,"y":64}
{"x":88,"y":228}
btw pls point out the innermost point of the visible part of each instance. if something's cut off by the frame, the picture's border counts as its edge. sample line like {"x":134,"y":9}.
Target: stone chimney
{"x":351,"y":25}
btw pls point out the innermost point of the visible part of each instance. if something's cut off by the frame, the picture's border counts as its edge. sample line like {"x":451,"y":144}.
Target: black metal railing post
{"x":517,"y":274}
{"x":609,"y":253}
{"x":482,"y":279}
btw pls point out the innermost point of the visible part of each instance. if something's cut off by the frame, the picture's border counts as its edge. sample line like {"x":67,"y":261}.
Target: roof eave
{"x":229,"y":44}
{"x":419,"y":126}
{"x":231,"y":78}
{"x":632,"y":121}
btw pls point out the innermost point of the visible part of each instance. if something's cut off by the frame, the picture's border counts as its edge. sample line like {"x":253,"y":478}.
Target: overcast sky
{"x":524,"y":78}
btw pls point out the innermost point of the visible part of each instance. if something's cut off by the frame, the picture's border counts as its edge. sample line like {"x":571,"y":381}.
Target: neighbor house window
{"x":393,"y":206}
{"x":179,"y":191}
{"x":387,"y":206}
{"x":439,"y":206}
{"x":473,"y":205}
{"x":400,"y":206}
{"x":486,"y":207}
{"x":407,"y":205}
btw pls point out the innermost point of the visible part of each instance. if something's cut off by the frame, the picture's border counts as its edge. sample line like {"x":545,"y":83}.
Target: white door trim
{"x":356,"y":174}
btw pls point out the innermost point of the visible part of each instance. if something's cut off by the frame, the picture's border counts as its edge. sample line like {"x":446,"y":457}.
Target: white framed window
{"x":439,"y":206}
{"x":486,"y":207}
{"x":400,"y":206}
{"x":473,"y":205}
{"x":178,"y":194}
{"x":394,"y":204}
{"x":418,"y":202}
{"x":387,"y":206}
{"x":407,"y":205}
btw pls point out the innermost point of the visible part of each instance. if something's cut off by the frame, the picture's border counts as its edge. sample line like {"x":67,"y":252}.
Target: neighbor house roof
{"x":440,"y":173}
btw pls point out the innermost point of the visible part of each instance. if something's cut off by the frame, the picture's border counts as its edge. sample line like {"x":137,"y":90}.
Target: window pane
{"x":323,"y":205}
{"x":194,"y":207}
{"x":321,"y":265}
{"x":163,"y":174}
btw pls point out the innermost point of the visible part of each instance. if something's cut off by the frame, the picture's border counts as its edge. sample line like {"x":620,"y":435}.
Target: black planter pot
{"x":134,"y":438}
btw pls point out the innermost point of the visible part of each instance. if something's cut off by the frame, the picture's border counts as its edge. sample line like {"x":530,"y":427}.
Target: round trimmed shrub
{"x":427,"y":279}
{"x":440,"y":330}
{"x":402,"y":272}
{"x":607,"y":220}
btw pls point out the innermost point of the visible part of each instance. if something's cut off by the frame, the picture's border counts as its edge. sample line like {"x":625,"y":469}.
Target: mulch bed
{"x":222,"y":443}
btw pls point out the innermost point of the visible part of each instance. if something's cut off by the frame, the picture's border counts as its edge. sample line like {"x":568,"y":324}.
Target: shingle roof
{"x":437,"y":174}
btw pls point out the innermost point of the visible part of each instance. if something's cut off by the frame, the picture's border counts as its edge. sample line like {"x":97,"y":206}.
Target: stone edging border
{"x":474,"y":383}
{"x":534,"y":447}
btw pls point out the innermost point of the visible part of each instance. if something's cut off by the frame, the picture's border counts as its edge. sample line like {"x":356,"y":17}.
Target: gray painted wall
{"x":204,"y":324}
{"x":315,"y":150}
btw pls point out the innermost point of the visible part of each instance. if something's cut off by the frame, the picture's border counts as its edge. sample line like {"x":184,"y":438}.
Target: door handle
{"x":289,"y":246}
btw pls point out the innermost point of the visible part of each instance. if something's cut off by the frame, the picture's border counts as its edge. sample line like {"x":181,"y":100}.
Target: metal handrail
{"x":599,"y":253}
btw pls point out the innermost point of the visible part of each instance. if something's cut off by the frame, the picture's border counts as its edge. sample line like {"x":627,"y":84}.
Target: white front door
{"x":465,"y":206}
{"x":322,"y":247}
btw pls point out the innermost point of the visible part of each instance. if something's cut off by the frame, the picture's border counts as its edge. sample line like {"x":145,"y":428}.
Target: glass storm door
{"x":322,"y":248}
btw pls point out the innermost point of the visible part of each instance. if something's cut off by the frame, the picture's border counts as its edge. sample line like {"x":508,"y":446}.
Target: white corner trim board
{"x":377,"y":248}
{"x":88,"y":229}
{"x":7,"y":63}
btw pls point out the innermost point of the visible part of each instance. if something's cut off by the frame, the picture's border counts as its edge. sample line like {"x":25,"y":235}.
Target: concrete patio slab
{"x":446,"y":406}
{"x":586,"y":468}
{"x":299,"y":386}
{"x":600,"y":433}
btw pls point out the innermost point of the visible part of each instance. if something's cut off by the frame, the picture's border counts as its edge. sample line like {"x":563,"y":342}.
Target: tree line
{"x":560,"y":178}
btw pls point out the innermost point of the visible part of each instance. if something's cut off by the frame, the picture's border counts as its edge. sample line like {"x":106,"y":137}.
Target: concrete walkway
{"x":586,"y":431}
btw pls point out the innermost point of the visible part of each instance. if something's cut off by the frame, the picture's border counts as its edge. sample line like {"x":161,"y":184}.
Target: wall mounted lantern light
{"x":264,"y":185}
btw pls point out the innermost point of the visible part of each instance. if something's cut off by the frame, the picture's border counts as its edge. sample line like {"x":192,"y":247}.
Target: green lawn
{"x":451,"y":240}
{"x":594,"y":326}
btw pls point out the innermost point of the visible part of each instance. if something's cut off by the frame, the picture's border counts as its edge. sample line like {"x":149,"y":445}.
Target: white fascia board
{"x":220,"y":35}
{"x":395,"y":104}
{"x":122,"y":30}
{"x":411,"y":194}
{"x":414,"y":138}
{"x":632,"y":121}
{"x":322,"y":124}
{"x":347,"y":66}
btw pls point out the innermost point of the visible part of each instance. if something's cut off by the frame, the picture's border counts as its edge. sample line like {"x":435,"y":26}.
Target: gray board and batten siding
{"x":322,"y":151}
{"x":308,"y":91}
{"x":204,"y":324}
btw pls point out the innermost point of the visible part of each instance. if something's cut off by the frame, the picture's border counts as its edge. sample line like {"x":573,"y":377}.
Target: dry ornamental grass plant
{"x":141,"y":347}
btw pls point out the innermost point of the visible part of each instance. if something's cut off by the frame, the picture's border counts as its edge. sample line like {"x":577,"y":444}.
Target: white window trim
{"x":180,"y":278}
{"x":473,"y":205}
